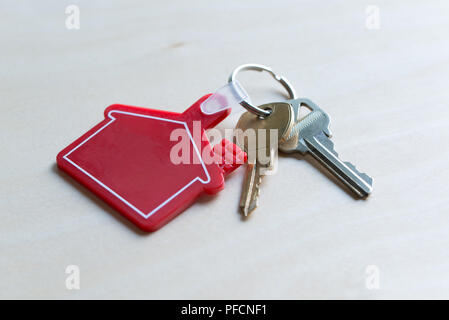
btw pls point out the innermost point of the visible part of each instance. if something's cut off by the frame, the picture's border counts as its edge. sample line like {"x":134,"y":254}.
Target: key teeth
{"x":365,"y":177}
{"x":258,"y":182}
{"x":256,"y":196}
{"x":327,"y":142}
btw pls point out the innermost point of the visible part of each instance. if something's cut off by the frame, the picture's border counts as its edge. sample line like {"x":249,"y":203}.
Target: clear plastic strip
{"x":228,"y":96}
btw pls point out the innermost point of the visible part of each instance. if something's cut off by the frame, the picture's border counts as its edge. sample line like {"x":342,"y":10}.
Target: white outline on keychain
{"x":145,"y":216}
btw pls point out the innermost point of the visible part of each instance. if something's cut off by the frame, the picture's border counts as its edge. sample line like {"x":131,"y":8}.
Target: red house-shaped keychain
{"x":127,"y":160}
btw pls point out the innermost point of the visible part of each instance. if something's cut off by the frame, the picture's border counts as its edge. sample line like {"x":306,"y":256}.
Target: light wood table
{"x":386,"y":90}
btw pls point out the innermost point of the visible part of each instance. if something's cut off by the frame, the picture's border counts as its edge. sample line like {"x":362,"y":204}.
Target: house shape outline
{"x":142,"y":214}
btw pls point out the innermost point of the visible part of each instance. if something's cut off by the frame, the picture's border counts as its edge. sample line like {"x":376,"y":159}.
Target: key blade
{"x":358,"y":182}
{"x":363,"y":175}
{"x":250,"y":189}
{"x":329,"y":145}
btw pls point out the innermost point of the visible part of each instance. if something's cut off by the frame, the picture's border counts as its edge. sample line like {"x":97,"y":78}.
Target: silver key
{"x":312,"y":134}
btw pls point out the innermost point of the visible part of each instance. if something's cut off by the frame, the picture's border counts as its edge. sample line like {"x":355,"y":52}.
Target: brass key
{"x":260,"y":137}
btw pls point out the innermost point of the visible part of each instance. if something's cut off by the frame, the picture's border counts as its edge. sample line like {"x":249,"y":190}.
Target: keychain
{"x":150,"y":165}
{"x":130,"y":159}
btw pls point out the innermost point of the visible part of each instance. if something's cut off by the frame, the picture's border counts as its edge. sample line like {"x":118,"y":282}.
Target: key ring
{"x":258,"y":67}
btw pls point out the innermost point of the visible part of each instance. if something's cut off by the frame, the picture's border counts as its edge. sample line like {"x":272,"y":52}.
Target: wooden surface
{"x":386,"y":91}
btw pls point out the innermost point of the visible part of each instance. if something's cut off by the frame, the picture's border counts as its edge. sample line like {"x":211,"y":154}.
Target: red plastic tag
{"x":127,"y":160}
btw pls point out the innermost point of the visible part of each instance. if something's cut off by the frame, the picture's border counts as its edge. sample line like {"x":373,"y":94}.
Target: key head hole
{"x":304,"y":111}
{"x":264,"y":117}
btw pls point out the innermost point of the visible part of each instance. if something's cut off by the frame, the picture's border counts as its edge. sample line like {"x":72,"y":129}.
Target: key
{"x":312,"y":135}
{"x":262,"y":148}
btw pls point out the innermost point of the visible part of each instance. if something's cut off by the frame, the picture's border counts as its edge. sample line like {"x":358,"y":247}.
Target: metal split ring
{"x":258,"y":67}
